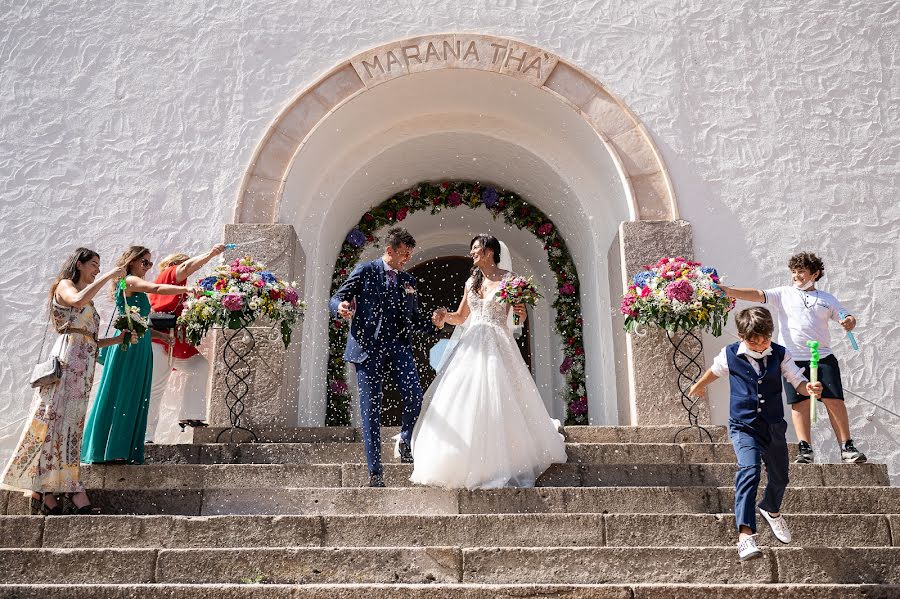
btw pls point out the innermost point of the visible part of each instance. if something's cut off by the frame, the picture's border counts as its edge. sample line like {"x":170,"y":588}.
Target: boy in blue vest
{"x":756,"y":424}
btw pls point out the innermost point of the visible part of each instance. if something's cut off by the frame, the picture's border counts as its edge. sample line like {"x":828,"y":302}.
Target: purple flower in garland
{"x":338,"y":387}
{"x":567,"y":289}
{"x":489,"y":197}
{"x":356,"y":238}
{"x":566,"y":365}
{"x":454,"y":199}
{"x":579,"y":407}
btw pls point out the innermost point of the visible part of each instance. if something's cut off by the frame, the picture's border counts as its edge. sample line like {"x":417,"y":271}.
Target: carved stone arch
{"x":640,"y":163}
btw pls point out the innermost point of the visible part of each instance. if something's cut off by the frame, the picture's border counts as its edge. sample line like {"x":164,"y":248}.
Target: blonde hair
{"x":127,"y":257}
{"x":176,"y":258}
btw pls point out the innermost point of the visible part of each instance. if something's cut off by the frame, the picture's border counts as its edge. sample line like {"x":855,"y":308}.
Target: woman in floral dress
{"x":46,"y":460}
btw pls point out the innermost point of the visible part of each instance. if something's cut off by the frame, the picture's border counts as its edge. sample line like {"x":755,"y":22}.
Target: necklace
{"x":804,"y":295}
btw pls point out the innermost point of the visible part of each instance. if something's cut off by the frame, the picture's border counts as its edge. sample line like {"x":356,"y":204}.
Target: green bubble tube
{"x":813,"y":376}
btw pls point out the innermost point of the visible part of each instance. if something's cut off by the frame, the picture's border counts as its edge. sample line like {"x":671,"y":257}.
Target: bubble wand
{"x":842,"y":315}
{"x":813,"y":376}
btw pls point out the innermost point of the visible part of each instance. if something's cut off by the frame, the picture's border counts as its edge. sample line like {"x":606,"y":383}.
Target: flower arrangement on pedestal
{"x":516,"y":212}
{"x":676,"y":295}
{"x":236,"y":296}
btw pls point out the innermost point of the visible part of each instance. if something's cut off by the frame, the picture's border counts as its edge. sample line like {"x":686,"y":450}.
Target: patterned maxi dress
{"x":46,"y":459}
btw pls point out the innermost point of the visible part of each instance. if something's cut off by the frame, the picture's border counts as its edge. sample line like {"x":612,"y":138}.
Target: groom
{"x":381,"y":301}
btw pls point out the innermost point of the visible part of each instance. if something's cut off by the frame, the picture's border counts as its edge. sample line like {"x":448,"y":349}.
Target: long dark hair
{"x":488,"y":242}
{"x":125,"y":260}
{"x":70,"y":268}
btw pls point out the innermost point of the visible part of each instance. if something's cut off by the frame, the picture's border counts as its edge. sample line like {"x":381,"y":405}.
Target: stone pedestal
{"x":654,"y":393}
{"x":271,"y":399}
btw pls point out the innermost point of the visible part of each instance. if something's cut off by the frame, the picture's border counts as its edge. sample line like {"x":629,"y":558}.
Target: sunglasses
{"x":146,"y":263}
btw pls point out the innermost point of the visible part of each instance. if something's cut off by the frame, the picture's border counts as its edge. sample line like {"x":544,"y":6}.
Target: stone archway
{"x":512,"y":114}
{"x":643,"y":170}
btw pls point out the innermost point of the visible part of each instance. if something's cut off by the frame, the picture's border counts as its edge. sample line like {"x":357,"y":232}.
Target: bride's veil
{"x":504,"y":264}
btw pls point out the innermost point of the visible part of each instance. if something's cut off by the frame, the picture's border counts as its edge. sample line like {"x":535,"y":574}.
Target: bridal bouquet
{"x":235,"y":296}
{"x":677,"y":295}
{"x":516,"y":291}
{"x":131,"y":321}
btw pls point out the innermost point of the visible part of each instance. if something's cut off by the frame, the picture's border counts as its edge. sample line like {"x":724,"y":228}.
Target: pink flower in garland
{"x":627,"y":306}
{"x":233,"y":302}
{"x":402,"y":213}
{"x":545,"y":229}
{"x":567,"y":289}
{"x":680,"y":290}
{"x":454,"y":199}
{"x":338,"y":387}
{"x":566,"y":365}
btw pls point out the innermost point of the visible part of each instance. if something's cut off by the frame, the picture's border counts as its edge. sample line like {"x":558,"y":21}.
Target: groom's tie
{"x":392,"y":278}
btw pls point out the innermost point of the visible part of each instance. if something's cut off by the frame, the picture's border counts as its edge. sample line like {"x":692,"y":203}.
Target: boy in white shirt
{"x":756,"y":425}
{"x":803,"y":315}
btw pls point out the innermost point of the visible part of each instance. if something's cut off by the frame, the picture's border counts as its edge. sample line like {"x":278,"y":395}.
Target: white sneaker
{"x":747,"y":549}
{"x":778,"y":525}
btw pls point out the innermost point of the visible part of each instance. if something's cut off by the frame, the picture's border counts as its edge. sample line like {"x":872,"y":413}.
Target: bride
{"x":484,"y":424}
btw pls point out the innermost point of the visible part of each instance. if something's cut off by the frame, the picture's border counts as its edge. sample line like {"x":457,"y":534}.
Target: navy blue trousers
{"x":757,"y":443}
{"x":396,"y":359}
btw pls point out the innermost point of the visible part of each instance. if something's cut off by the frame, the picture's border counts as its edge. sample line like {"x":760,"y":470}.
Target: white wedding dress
{"x":483,"y":423}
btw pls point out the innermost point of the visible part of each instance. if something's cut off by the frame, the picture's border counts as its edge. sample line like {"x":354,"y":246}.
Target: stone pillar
{"x":654,"y":393}
{"x":272,"y":398}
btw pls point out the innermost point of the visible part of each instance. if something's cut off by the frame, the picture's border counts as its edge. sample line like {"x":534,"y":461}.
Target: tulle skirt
{"x":484,"y":424}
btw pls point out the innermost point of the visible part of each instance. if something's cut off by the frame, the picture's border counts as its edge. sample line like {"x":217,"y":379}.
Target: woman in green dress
{"x":117,"y":422}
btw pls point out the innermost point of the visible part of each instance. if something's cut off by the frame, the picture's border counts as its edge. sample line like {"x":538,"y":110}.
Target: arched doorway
{"x":501,"y":111}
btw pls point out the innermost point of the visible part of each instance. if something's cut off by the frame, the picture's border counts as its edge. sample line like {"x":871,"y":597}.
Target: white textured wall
{"x":134,"y":123}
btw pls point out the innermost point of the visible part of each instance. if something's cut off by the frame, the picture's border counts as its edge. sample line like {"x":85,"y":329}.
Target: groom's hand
{"x":439,"y":317}
{"x":345,"y":310}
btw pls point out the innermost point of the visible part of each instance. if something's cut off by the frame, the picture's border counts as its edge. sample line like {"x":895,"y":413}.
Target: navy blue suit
{"x":380,"y":341}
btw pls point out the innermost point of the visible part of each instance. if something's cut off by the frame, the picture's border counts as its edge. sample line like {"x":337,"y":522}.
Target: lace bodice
{"x":486,"y":310}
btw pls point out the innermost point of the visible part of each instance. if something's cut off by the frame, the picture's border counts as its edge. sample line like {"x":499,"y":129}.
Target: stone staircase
{"x":631,"y":515}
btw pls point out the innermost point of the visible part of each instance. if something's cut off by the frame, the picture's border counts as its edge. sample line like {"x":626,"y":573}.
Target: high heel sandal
{"x":39,"y":508}
{"x":71,"y":509}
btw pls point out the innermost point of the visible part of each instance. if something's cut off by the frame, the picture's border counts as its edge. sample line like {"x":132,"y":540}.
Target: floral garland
{"x":516,"y":212}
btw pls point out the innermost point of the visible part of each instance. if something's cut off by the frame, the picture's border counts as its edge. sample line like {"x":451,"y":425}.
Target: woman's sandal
{"x":73,"y":510}
{"x":39,"y":508}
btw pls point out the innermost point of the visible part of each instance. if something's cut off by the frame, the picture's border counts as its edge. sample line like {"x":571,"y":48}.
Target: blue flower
{"x":356,"y":238}
{"x":709,"y":270}
{"x":489,"y":197}
{"x":268,"y":277}
{"x":642,"y":278}
{"x":208,"y":283}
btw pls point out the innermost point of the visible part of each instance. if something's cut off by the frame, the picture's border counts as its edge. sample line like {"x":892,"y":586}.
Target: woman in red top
{"x":175,"y":270}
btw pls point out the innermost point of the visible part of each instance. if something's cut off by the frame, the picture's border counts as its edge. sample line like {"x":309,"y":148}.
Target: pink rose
{"x":290,"y":295}
{"x":645,"y":292}
{"x":681,"y":290}
{"x":233,"y":301}
{"x":567,"y":289}
{"x":402,"y":213}
{"x":454,"y":199}
{"x":545,"y":229}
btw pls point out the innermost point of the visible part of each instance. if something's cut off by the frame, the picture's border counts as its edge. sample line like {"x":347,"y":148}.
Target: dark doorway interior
{"x":440,"y":283}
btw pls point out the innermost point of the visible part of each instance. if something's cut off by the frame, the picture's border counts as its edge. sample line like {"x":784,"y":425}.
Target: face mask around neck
{"x":806,"y":286}
{"x":758,"y":355}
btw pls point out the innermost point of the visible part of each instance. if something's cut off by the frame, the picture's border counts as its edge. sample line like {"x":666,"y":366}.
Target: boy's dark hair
{"x":809,"y":261}
{"x":397,"y":236}
{"x":754,"y":322}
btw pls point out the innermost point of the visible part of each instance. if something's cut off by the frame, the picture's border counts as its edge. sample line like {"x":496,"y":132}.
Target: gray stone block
{"x":600,"y":565}
{"x":591,"y":500}
{"x":22,"y":531}
{"x":77,"y":566}
{"x":327,"y":501}
{"x":819,"y":565}
{"x":499,"y":530}
{"x":276,"y":434}
{"x":200,"y":476}
{"x":311,"y":566}
{"x":765,"y":591}
{"x":184,"y":502}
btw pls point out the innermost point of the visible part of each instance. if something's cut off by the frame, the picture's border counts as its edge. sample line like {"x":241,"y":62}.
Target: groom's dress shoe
{"x":376,"y":480}
{"x":406,"y":456}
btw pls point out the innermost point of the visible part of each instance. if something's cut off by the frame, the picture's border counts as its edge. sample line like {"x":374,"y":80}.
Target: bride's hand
{"x":439,"y":317}
{"x":520,"y":311}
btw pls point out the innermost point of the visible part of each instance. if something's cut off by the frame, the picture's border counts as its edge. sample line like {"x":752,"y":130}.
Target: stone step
{"x":353,"y":452}
{"x":467,"y":530}
{"x":574,"y":434}
{"x":434,"y":501}
{"x":235,"y":476}
{"x":250,"y":590}
{"x":448,"y":564}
